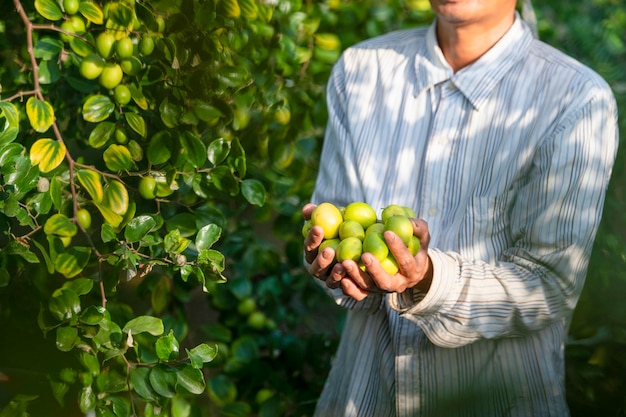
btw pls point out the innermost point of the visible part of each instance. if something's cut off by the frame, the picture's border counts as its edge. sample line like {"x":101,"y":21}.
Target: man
{"x":503,"y":146}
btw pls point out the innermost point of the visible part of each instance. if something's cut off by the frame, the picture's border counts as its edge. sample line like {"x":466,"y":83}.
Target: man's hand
{"x":414,"y":271}
{"x":323,"y":264}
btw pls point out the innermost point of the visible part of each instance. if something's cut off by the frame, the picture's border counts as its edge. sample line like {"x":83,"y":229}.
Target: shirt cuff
{"x":446,"y":272}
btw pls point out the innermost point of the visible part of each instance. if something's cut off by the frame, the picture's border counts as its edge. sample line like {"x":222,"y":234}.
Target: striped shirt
{"x":508,"y":161}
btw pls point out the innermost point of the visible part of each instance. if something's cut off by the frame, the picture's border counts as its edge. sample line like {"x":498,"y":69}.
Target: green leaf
{"x":137,"y":123}
{"x":193,"y":149}
{"x":212,"y":260}
{"x":66,"y":339}
{"x":92,"y":12}
{"x":174,"y":242}
{"x":92,"y":183}
{"x":191,"y":379}
{"x":10,"y":127}
{"x":116,"y":197}
{"x":206,"y":112}
{"x":237,"y":158}
{"x":111,"y":381}
{"x":167,"y":347}
{"x":245,"y":348}
{"x":139,"y":379}
{"x":59,"y":224}
{"x":163,"y":381}
{"x":81,"y":286}
{"x":181,"y":407}
{"x":90,"y":363}
{"x":201,"y":354}
{"x":185,"y":223}
{"x":236,"y":409}
{"x":161,"y":294}
{"x":86,"y":399}
{"x":59,"y":389}
{"x":283,"y":155}
{"x":47,"y":153}
{"x":170,"y":113}
{"x":72,"y":262}
{"x":49,"y":72}
{"x":101,"y":134}
{"x":92,"y":315}
{"x":218,"y":151}
{"x":222,"y":177}
{"x":222,"y":390}
{"x":117,"y":158}
{"x":47,"y":48}
{"x":159,"y":149}
{"x":141,"y":324}
{"x":138,"y":227}
{"x":253,"y":191}
{"x":81,"y":46}
{"x":40,"y":114}
{"x":49,"y":9}
{"x":18,"y":248}
{"x":56,"y":191}
{"x":97,"y":108}
{"x":11,"y":153}
{"x":207,"y":236}
{"x":64,"y":304}
{"x":46,"y":257}
{"x":233,"y":76}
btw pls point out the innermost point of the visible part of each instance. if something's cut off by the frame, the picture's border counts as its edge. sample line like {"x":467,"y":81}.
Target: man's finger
{"x":350,"y":289}
{"x":312,"y":242}
{"x":307,"y":209}
{"x":322,"y":262}
{"x":420,"y":229}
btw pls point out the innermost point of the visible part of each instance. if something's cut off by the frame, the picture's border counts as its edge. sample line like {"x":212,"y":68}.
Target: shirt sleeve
{"x":553,"y":222}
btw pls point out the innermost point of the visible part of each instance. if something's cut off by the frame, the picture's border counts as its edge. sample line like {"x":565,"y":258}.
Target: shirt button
{"x":451,"y":86}
{"x":409,"y":351}
{"x":432,"y":211}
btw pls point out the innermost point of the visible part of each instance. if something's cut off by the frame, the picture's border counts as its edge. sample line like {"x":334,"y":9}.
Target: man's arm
{"x":553,"y":223}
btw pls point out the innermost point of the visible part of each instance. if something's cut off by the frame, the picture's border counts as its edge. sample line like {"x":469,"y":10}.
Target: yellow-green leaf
{"x":116,"y":197}
{"x":10,"y":127}
{"x":229,"y":8}
{"x":101,"y":134}
{"x":137,"y":123}
{"x":117,"y":158}
{"x":47,"y":153}
{"x":109,"y":216}
{"x":120,"y":16}
{"x":40,"y":114}
{"x":92,"y":183}
{"x":249,"y":9}
{"x":72,"y":262}
{"x":59,"y":224}
{"x":92,"y":12}
{"x":49,"y":9}
{"x":97,"y":108}
{"x":327,"y":41}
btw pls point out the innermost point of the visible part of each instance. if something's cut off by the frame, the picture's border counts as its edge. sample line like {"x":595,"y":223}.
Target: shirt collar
{"x":476,"y":81}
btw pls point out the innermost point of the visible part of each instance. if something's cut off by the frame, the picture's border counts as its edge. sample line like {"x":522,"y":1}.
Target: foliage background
{"x":275,"y":331}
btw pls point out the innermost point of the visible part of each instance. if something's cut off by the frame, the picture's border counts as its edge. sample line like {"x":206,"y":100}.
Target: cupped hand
{"x":322,"y":264}
{"x":413,"y":271}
